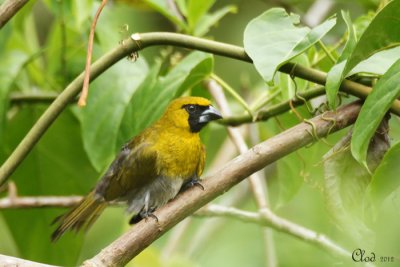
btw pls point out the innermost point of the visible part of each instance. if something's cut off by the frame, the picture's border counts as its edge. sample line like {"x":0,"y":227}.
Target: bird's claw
{"x":144,"y":214}
{"x":151,"y":215}
{"x":195,"y":182}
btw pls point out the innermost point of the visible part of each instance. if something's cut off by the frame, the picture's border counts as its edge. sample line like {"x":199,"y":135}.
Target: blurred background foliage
{"x":43,"y":48}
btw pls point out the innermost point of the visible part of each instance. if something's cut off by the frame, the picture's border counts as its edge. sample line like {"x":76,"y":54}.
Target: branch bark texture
{"x":8,"y":9}
{"x":122,"y":250}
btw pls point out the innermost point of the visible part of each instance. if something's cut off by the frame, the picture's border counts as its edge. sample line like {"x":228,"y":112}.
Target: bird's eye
{"x":191,"y":108}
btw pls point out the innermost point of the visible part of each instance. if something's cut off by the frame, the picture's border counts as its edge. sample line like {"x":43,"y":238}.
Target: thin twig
{"x":8,"y":9}
{"x":37,"y":97}
{"x":232,"y":92}
{"x":269,"y":219}
{"x":38,"y":202}
{"x":85,"y":88}
{"x":8,"y":261}
{"x":122,"y":250}
{"x":327,"y":52}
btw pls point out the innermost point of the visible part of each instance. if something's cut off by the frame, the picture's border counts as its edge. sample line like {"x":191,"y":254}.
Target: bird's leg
{"x":145,"y":212}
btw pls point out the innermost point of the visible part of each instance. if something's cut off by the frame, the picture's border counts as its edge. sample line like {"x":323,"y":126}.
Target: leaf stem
{"x":327,"y":52}
{"x":232,"y":92}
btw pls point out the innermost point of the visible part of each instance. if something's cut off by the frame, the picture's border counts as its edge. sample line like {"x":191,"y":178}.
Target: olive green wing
{"x":134,"y":167}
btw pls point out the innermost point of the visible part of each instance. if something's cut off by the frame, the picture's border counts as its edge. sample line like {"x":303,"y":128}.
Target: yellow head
{"x":190,"y":113}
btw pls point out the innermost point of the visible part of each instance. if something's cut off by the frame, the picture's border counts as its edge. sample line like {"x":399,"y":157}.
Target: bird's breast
{"x":179,"y":157}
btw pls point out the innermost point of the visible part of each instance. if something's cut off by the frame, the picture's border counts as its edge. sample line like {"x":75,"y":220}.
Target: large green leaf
{"x":272,"y":39}
{"x":196,"y":10}
{"x":211,"y":19}
{"x":289,"y":170}
{"x":378,"y":63}
{"x":82,"y":11}
{"x":9,"y":69}
{"x":289,"y":86}
{"x":382,"y":33}
{"x":346,"y":182}
{"x":101,"y":118}
{"x":336,"y":75}
{"x":386,"y":90}
{"x":58,"y":165}
{"x":162,"y":7}
{"x":150,"y":100}
{"x":386,"y":177}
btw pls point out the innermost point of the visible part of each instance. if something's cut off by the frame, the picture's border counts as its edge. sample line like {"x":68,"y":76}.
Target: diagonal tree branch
{"x":122,"y":250}
{"x":8,"y":9}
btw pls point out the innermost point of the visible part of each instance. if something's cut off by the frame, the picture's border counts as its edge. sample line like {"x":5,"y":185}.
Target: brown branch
{"x":85,"y":87}
{"x":38,"y":202}
{"x":8,"y":9}
{"x":12,"y":261}
{"x":122,"y":250}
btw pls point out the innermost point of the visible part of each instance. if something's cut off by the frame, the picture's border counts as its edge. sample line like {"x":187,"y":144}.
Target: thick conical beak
{"x":210,"y":114}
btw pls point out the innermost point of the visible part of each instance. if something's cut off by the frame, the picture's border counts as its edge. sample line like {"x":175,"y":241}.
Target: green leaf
{"x":378,"y":63}
{"x":108,"y":98}
{"x":386,"y":90}
{"x":361,"y":23}
{"x":376,"y":37}
{"x":152,"y":97}
{"x":12,"y":63}
{"x":286,"y":83}
{"x":272,"y":39}
{"x":382,"y":33}
{"x":345,"y":185}
{"x":161,"y":6}
{"x":385,"y":178}
{"x":209,"y":20}
{"x":289,"y":171}
{"x":196,"y":10}
{"x":82,"y":11}
{"x":57,"y":165}
{"x":7,"y":244}
{"x":336,"y":74}
{"x":182,"y":5}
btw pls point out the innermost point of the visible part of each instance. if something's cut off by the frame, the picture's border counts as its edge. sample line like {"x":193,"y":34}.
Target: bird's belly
{"x":153,"y":195}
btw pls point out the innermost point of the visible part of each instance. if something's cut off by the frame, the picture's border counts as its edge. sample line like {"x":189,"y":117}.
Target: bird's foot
{"x":194,"y":182}
{"x":144,"y":214}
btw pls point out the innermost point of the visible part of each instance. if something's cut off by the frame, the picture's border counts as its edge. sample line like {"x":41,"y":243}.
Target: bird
{"x":150,"y":169}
